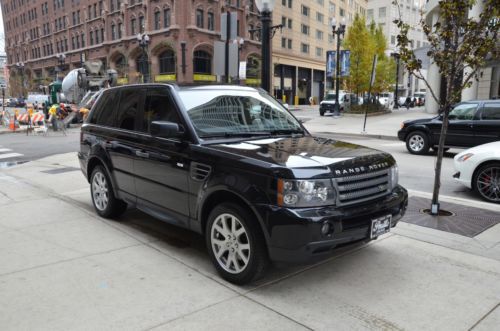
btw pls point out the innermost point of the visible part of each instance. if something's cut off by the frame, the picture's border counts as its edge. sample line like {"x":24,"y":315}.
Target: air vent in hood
{"x":199,"y":171}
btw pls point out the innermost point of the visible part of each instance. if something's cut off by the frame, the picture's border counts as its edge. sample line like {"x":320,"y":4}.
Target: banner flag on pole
{"x":345,"y":63}
{"x":330,"y":63}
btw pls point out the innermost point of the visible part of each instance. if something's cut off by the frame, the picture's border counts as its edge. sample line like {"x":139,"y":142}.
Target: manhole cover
{"x":465,"y":220}
{"x":60,"y":170}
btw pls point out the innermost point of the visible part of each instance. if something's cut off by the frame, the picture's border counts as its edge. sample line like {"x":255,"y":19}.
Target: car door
{"x":461,"y":124}
{"x":162,"y":164}
{"x":116,"y":141}
{"x":487,"y":126}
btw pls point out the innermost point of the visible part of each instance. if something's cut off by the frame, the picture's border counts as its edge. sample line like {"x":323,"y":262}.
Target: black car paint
{"x":155,"y":175}
{"x":461,"y":133}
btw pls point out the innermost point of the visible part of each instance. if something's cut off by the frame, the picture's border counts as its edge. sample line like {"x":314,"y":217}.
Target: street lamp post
{"x":143,"y":40}
{"x":396,"y":101}
{"x":240,"y":43}
{"x":61,"y":58}
{"x":266,"y":8}
{"x":340,"y":33}
{"x":20,"y":67}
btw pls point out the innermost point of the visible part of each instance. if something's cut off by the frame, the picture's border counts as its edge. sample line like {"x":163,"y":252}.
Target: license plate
{"x":380,"y":226}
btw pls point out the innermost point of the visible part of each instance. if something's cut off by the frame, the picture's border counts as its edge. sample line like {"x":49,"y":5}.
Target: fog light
{"x":325,"y":228}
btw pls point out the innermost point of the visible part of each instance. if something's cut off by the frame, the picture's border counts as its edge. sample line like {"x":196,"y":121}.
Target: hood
{"x":307,"y":157}
{"x":492,"y":149}
{"x":420,"y":120}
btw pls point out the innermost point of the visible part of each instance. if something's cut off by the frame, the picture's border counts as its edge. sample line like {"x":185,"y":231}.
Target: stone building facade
{"x":180,"y":48}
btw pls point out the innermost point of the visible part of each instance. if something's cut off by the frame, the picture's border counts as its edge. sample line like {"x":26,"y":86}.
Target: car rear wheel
{"x":235,"y":244}
{"x":487,"y":182}
{"x":103,"y":198}
{"x":417,"y":143}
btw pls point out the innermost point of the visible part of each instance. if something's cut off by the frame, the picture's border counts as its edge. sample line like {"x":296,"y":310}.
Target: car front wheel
{"x":487,"y":182}
{"x":417,"y":143}
{"x":235,"y":244}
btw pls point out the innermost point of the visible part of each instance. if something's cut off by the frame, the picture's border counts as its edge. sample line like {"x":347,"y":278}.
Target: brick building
{"x":181,"y":38}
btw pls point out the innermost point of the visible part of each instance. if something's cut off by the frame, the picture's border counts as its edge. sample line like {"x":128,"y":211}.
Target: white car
{"x":478,"y":168}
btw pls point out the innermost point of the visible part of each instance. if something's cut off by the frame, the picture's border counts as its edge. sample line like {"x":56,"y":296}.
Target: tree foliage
{"x":459,"y":45}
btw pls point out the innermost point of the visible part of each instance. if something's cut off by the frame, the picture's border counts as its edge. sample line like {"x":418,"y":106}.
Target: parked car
{"x":328,"y":103}
{"x":471,"y":123}
{"x":230,"y":162}
{"x":386,"y":99}
{"x":478,"y":168}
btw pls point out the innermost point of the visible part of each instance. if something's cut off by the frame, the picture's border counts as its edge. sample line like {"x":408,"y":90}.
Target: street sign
{"x":243,"y":70}
{"x":220,"y":59}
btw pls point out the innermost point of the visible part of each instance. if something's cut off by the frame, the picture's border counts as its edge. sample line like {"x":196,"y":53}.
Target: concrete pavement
{"x":64,"y":268}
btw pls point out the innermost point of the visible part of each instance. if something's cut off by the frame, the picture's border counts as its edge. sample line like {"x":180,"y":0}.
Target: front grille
{"x":364,"y":187}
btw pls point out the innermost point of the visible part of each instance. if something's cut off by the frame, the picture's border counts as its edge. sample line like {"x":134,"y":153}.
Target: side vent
{"x":199,"y":171}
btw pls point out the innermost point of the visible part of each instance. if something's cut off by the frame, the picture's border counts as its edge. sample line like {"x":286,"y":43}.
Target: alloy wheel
{"x":416,"y":143}
{"x":488,"y":183}
{"x":230,"y":243}
{"x":100,"y":192}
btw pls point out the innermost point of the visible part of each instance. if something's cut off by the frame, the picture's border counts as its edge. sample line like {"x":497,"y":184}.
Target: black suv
{"x":231,"y":163}
{"x":471,"y":123}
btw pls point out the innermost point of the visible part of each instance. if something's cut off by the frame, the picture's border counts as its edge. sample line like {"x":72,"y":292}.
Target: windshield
{"x":236,"y":113}
{"x":330,"y":97}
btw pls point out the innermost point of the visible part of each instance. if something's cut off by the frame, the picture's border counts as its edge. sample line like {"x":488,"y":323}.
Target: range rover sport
{"x":233,"y":164}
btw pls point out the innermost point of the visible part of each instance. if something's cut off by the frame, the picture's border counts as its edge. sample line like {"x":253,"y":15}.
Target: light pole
{"x":396,"y":55}
{"x":240,"y":43}
{"x":340,"y":33}
{"x":143,"y":40}
{"x":61,"y":58}
{"x":266,"y":8}
{"x":20,"y":67}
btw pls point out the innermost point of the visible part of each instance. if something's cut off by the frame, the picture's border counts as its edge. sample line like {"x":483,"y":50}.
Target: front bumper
{"x":294,"y":235}
{"x":402,"y":134}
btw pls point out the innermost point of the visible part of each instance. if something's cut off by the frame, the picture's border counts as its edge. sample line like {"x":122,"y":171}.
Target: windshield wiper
{"x":237,"y":134}
{"x":293,"y":132}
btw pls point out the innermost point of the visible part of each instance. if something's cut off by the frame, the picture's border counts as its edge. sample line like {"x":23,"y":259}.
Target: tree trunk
{"x":439,"y":162}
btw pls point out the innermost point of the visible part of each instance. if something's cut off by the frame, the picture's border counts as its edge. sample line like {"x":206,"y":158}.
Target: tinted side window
{"x":464,"y":111}
{"x":491,"y":112}
{"x":158,"y":107}
{"x":104,"y":111}
{"x":129,"y":106}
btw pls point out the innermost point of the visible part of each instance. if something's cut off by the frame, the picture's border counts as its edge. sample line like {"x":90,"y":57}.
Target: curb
{"x":355,"y":135}
{"x":10,"y":131}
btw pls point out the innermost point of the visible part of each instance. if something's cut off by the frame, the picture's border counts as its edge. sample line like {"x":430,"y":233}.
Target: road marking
{"x":9,"y":155}
{"x":5,"y":150}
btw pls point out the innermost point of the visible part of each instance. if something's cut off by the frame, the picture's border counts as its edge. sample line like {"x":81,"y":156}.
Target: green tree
{"x":459,"y":45}
{"x":386,"y":67}
{"x":358,"y":40}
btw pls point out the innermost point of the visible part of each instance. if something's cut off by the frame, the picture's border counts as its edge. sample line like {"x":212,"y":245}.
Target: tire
{"x":486,"y":182}
{"x":417,"y":143}
{"x":103,"y":198}
{"x":233,"y":235}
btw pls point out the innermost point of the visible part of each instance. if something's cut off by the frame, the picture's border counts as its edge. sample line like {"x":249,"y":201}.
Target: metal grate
{"x":364,"y":187}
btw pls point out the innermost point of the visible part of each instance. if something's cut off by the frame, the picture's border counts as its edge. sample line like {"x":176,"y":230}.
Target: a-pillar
{"x":434,"y":79}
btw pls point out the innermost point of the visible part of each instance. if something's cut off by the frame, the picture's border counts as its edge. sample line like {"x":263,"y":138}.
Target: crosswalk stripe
{"x":9,"y":155}
{"x":5,"y":150}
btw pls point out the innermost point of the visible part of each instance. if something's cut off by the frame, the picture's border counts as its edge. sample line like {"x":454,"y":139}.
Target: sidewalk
{"x":379,"y":126}
{"x":64,"y":268}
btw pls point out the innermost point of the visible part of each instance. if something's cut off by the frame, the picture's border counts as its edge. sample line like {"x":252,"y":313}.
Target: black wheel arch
{"x":93,"y":162}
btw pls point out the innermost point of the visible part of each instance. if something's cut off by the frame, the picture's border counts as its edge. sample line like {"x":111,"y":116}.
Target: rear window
{"x":104,"y":111}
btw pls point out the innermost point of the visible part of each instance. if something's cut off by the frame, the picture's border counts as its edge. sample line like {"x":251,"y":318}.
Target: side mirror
{"x":164,"y":129}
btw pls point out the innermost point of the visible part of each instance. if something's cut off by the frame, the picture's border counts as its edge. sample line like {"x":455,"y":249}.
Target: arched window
{"x":121,"y":66}
{"x":202,"y":63}
{"x":157,"y":19}
{"x":167,"y":62}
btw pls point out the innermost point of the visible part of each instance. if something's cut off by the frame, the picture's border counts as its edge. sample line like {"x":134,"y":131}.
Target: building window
{"x":319,"y":51}
{"x":369,"y":14}
{"x":305,"y":10}
{"x":167,"y":62}
{"x":289,"y":43}
{"x":83,"y":40}
{"x":133,"y":26}
{"x":96,"y":37}
{"x":202,"y":63}
{"x":342,"y":12}
{"x":321,"y":2}
{"x":320,"y":17}
{"x":283,"y":42}
{"x":211,"y":21}
{"x":305,"y":29}
{"x":157,"y":20}
{"x":319,"y":34}
{"x":91,"y":35}
{"x":199,"y":18}
{"x":166,"y":17}
{"x":120,"y":29}
{"x":289,"y":23}
{"x":283,"y":21}
{"x":381,"y":12}
{"x":141,"y":24}
{"x":102,"y":35}
{"x":289,"y":3}
{"x":113,"y":31}
{"x":304,"y":48}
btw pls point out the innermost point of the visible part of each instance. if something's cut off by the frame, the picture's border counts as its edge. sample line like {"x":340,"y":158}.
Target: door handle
{"x":142,"y":154}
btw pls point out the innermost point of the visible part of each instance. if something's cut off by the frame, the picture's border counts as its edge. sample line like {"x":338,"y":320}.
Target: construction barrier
{"x":35,"y":118}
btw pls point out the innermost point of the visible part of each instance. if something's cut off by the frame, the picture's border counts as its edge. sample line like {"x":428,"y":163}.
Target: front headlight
{"x":465,"y":157}
{"x":305,"y":193}
{"x":394,"y":176}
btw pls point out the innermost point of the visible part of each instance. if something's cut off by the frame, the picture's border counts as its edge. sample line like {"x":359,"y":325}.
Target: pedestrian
{"x":408,"y":102}
{"x":53,"y":117}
